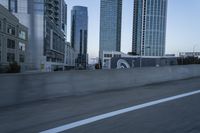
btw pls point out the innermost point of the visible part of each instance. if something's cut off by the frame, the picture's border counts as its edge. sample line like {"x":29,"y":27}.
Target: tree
{"x":14,"y":68}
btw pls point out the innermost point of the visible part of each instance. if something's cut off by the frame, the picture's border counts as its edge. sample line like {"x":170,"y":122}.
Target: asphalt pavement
{"x":177,"y":116}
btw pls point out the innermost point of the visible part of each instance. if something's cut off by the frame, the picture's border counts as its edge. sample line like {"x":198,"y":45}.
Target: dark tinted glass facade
{"x":79,"y":35}
{"x":149,"y":27}
{"x":79,"y":29}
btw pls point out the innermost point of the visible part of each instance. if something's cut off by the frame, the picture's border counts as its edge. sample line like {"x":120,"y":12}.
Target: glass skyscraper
{"x":110,"y":26}
{"x":149,"y":27}
{"x":79,"y":34}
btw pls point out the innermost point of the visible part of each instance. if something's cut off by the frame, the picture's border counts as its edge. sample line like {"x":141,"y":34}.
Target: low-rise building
{"x":108,"y":55}
{"x":144,"y":61}
{"x":187,"y":54}
{"x":13,"y":40}
{"x":117,"y":60}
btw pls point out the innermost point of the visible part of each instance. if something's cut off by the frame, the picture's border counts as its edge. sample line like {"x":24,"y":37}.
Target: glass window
{"x":22,"y":46}
{"x":13,"y":6}
{"x":39,"y":1}
{"x":21,"y":58}
{"x":11,"y":29}
{"x":10,"y":57}
{"x":22,"y":35}
{"x":39,"y":6}
{"x":117,"y":55}
{"x":10,"y":44}
{"x":107,"y":55}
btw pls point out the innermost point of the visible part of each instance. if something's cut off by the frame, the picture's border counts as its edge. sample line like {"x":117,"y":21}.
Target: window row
{"x":11,"y":44}
{"x":11,"y":57}
{"x":11,"y":29}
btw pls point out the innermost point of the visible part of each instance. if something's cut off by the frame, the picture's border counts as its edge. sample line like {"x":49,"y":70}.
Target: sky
{"x":183,"y":25}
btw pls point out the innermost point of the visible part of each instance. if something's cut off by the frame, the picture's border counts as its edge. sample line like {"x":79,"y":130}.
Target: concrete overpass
{"x":170,"y":106}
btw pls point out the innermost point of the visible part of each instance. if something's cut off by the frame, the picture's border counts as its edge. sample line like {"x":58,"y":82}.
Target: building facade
{"x":108,"y":55}
{"x":79,"y":35}
{"x":149,"y":27}
{"x":189,"y":54}
{"x":46,"y":21}
{"x":147,"y":61}
{"x":118,"y":60}
{"x":110,"y":26}
{"x":69,"y":57}
{"x":13,"y":40}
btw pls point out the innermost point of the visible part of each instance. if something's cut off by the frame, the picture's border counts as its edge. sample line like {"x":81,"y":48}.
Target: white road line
{"x":115,"y":113}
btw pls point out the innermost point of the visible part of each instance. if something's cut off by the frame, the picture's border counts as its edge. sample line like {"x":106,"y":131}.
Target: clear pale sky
{"x":183,"y":25}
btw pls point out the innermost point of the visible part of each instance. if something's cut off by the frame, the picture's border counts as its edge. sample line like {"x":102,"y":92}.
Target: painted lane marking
{"x":115,"y":113}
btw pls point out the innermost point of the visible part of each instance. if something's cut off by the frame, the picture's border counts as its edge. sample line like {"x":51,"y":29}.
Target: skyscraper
{"x":46,"y":21}
{"x":79,"y":34}
{"x":149,"y":27}
{"x":110,"y":25}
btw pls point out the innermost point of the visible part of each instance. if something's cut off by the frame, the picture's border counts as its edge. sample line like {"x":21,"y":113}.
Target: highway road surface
{"x":170,"y":107}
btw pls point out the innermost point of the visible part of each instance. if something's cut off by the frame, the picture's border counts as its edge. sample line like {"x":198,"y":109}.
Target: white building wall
{"x":69,"y":56}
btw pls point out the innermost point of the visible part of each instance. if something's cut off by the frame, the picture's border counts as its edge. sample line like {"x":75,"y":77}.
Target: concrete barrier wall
{"x":22,"y":88}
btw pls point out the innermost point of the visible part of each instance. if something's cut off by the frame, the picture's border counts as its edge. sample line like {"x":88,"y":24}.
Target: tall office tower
{"x":79,"y":34}
{"x":110,"y":26}
{"x":46,"y":21}
{"x":149,"y":27}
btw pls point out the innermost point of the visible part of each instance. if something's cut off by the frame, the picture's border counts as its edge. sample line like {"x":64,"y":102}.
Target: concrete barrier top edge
{"x":96,"y":71}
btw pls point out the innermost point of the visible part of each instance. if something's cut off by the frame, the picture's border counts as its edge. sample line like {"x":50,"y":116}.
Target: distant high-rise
{"x":47,"y":23}
{"x":149,"y":27}
{"x":79,"y":34}
{"x":110,"y":25}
